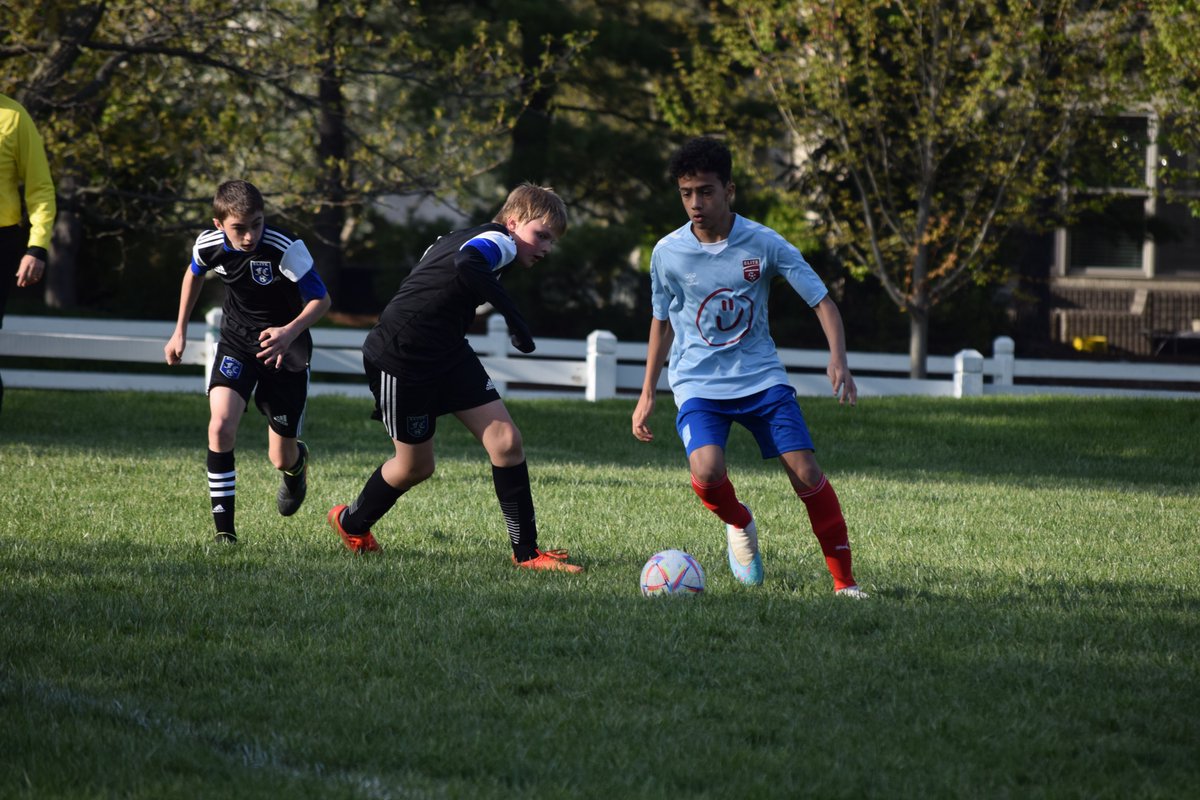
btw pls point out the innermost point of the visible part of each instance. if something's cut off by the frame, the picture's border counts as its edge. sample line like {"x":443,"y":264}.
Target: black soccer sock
{"x":222,"y":488}
{"x":376,"y":499}
{"x":516,"y":503}
{"x":293,"y":474}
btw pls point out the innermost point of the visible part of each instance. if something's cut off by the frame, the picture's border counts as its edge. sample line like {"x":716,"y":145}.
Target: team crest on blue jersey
{"x":261,"y":272}
{"x":230,"y":367}
{"x":752,"y":269}
{"x":418,"y":426}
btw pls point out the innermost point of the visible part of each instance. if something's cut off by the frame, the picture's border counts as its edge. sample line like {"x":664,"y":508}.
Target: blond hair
{"x":528,"y":202}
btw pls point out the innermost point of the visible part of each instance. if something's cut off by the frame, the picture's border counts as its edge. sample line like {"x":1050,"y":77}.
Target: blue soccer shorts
{"x":772,"y":416}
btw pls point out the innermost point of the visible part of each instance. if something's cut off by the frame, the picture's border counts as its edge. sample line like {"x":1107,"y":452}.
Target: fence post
{"x":212,"y":335}
{"x":601,"y":365}
{"x":1005,"y":359}
{"x":968,"y":373}
{"x":498,"y":345}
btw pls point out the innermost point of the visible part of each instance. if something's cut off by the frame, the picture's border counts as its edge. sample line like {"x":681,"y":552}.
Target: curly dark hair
{"x":702,"y":154}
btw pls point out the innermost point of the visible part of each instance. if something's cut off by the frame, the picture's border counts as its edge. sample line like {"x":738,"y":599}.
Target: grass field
{"x":1033,"y":631}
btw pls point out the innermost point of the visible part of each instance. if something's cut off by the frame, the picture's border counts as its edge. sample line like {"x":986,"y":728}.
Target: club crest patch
{"x":230,"y":367}
{"x":261,"y":272}
{"x":418,"y":426}
{"x":752,"y":269}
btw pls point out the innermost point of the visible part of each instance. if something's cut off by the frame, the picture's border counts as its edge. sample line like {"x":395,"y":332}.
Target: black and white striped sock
{"x":222,"y":489}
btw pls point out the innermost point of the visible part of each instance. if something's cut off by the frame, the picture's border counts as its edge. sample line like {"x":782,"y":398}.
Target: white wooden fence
{"x":599,"y":367}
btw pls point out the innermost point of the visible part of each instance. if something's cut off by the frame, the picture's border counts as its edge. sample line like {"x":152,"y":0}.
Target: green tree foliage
{"x":920,"y":134}
{"x":326,"y":104}
{"x":123,"y":134}
{"x":1172,"y":69}
{"x":594,"y":131}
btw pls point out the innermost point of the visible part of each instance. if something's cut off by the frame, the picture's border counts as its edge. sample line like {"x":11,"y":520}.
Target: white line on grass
{"x":224,"y":743}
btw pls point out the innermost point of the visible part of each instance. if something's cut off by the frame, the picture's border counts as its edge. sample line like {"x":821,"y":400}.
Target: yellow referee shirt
{"x":23,"y":162}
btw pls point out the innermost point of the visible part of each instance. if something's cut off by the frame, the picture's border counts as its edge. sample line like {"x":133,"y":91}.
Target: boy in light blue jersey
{"x":710,"y":282}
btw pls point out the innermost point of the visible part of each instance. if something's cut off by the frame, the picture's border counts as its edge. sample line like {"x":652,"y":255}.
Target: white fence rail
{"x":594,"y":369}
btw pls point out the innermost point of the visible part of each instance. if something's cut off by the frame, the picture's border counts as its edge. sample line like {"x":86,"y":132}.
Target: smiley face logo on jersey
{"x":724,"y":318}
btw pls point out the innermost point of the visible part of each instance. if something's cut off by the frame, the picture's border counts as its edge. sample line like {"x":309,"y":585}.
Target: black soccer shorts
{"x":409,"y":406}
{"x":280,"y":394}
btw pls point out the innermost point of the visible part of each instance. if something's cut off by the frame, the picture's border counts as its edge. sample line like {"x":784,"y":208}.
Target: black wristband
{"x":38,"y":252}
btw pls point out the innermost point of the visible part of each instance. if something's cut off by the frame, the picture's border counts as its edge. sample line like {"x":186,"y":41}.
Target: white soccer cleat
{"x":742,"y":548}
{"x":852,"y":591}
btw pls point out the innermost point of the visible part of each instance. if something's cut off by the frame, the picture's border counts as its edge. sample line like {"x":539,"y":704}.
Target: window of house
{"x":1111,"y":154}
{"x":1110,"y":238}
{"x":1176,"y":230}
{"x":1176,"y":241}
{"x":1179,"y":161}
{"x":1116,"y":186}
{"x":1136,"y":178}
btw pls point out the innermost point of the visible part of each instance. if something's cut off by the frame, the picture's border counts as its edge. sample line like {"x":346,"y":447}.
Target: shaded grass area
{"x":1032,"y":631}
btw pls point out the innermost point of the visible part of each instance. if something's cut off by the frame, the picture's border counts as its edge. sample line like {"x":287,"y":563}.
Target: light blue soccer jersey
{"x":717,"y":306}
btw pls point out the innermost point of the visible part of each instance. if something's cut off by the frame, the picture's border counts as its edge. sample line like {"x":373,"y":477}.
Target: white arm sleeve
{"x":296,"y":261}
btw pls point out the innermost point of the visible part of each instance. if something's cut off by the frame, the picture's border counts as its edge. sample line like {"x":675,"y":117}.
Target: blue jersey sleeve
{"x":311,"y":286}
{"x":497,"y":249}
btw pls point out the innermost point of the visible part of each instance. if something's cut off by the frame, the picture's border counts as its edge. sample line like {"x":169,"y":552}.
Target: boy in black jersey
{"x":272,"y":295}
{"x":420,"y":366}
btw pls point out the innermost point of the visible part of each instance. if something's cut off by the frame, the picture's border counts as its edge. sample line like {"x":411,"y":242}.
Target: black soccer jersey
{"x":261,"y":286}
{"x":423,"y":329}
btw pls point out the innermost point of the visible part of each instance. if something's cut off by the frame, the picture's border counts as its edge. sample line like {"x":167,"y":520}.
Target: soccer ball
{"x":672,"y":572}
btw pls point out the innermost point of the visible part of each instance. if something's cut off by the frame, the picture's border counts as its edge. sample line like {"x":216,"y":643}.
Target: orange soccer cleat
{"x":363,"y":543}
{"x":549,"y":560}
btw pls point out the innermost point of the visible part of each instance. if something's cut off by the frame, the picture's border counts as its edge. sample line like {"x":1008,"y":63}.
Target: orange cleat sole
{"x":552,"y":560}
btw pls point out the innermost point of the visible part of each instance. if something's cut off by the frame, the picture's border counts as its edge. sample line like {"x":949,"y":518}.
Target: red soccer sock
{"x":720,"y":498}
{"x":829,"y":526}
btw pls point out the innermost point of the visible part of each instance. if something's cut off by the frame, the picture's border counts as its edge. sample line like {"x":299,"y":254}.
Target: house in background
{"x":1127,"y":279}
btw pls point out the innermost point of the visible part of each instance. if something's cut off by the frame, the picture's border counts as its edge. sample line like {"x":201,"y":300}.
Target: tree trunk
{"x":918,"y":340}
{"x":331,"y":158}
{"x":60,"y":287}
{"x":46,"y":74}
{"x":531,"y":133}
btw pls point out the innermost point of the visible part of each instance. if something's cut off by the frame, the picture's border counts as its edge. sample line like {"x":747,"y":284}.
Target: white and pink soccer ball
{"x":672,"y":572}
